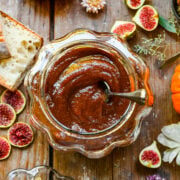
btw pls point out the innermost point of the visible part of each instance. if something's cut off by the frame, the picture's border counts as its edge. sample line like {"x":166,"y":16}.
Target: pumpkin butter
{"x":73,"y":92}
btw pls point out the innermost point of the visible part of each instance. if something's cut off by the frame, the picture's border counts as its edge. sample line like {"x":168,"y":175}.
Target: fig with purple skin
{"x":20,"y":135}
{"x":14,"y":98}
{"x":134,"y":4}
{"x":7,"y":115}
{"x":5,"y":148}
{"x":124,"y":29}
{"x":147,"y":18}
{"x":150,"y":156}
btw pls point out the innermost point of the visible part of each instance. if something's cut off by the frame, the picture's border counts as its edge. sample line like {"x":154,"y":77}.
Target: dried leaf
{"x":173,"y":154}
{"x":166,"y":155}
{"x":167,"y":142}
{"x":170,"y":137}
{"x":178,"y":159}
{"x":170,"y":155}
{"x":172,"y":132}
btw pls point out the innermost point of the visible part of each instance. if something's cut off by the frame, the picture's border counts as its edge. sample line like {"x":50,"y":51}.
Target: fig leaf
{"x":166,"y":25}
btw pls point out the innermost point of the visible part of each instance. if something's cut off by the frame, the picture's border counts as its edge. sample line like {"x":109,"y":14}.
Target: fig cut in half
{"x":7,"y":115}
{"x":14,"y":98}
{"x":124,"y":29}
{"x":150,"y":156}
{"x":147,"y":18}
{"x":5,"y":148}
{"x":134,"y":4}
{"x":20,"y":135}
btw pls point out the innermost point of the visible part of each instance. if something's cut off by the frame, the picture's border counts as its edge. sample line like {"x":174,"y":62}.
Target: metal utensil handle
{"x":138,"y":96}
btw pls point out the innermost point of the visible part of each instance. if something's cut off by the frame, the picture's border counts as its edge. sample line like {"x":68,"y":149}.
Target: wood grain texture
{"x":162,"y":113}
{"x":68,"y":16}
{"x":125,"y":165}
{"x":34,"y":14}
{"x":122,"y":163}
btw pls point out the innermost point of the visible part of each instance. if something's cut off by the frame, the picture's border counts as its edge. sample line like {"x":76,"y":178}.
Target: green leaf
{"x":166,"y":25}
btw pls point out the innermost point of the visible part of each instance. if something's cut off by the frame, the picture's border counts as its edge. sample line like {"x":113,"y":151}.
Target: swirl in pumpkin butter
{"x":74,"y":94}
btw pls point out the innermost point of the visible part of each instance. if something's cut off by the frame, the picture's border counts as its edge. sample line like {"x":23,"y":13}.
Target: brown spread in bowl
{"x":67,"y":99}
{"x":74,"y":94}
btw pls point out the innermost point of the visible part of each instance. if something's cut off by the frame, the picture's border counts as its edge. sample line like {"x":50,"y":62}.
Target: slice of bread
{"x":4,"y":51}
{"x":23,"y":45}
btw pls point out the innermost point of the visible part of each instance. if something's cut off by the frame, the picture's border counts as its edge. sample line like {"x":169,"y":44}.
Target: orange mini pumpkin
{"x":175,"y":89}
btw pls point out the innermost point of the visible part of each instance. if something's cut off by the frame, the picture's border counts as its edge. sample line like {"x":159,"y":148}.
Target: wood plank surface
{"x":54,"y":18}
{"x":125,"y":166}
{"x":34,"y":14}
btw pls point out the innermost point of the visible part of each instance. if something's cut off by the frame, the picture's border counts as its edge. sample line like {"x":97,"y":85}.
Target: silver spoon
{"x":138,"y":96}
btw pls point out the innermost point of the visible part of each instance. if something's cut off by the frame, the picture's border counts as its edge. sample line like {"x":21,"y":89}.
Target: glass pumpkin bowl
{"x":77,"y":61}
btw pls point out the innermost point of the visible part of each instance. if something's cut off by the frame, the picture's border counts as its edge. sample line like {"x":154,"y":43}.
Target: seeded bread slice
{"x":23,"y":45}
{"x":4,"y":51}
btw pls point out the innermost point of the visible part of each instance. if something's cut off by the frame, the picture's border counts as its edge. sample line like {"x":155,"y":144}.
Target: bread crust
{"x":4,"y":84}
{"x":22,"y":25}
{"x":3,"y":81}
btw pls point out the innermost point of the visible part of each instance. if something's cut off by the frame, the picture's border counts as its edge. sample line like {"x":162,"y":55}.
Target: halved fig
{"x":150,"y":156}
{"x":20,"y":135}
{"x":134,"y":4}
{"x":14,"y":98}
{"x":124,"y":29}
{"x":7,"y":115}
{"x":5,"y":148}
{"x":147,"y":18}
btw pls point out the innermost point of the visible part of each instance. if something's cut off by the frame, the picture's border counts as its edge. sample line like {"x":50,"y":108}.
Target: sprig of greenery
{"x":157,"y":46}
{"x":174,"y":22}
{"x":152,"y":47}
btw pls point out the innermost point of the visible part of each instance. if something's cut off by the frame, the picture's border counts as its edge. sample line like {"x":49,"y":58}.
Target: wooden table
{"x":54,"y":18}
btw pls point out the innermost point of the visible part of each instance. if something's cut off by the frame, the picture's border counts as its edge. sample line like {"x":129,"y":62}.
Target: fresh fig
{"x":5,"y":148}
{"x":134,"y":4}
{"x":124,"y":29}
{"x":7,"y":115}
{"x":20,"y":135}
{"x":147,"y":18}
{"x":14,"y":98}
{"x":150,"y":156}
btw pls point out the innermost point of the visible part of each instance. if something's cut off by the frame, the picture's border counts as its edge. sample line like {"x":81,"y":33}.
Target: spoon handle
{"x":139,"y":96}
